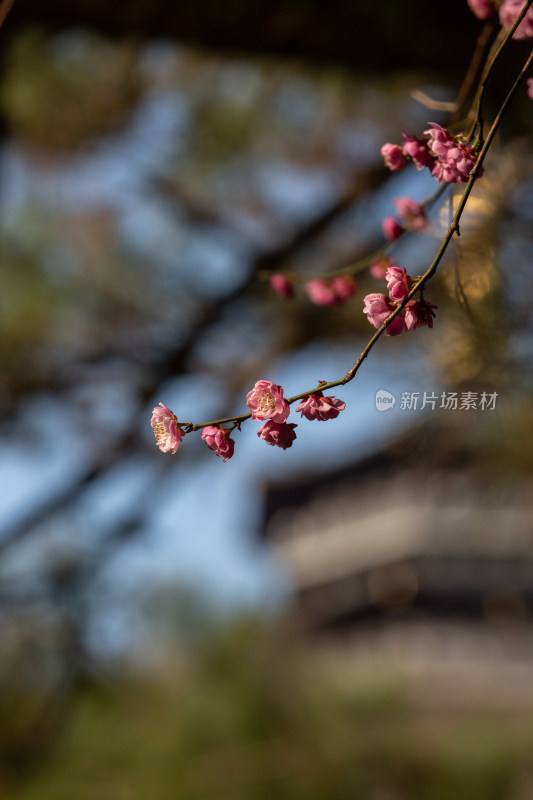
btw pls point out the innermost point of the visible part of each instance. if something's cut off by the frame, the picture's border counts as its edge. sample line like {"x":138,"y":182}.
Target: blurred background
{"x":351,"y":618}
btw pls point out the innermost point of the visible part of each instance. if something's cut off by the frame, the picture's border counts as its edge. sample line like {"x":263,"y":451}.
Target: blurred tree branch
{"x":5,"y":8}
{"x":175,"y":360}
{"x":337,"y":32}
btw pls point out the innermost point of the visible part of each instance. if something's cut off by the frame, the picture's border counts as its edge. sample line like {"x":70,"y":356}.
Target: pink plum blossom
{"x":419,"y":313}
{"x":316,"y":406}
{"x":218,"y":439}
{"x":396,"y":327}
{"x":411,"y":213}
{"x":398,"y":283}
{"x":509,"y":11}
{"x":392,"y":229}
{"x":166,"y":431}
{"x":278,"y":434}
{"x":320,"y":292}
{"x":393,"y":156}
{"x":483,"y":9}
{"x":454,"y":161}
{"x":379,"y":267}
{"x":266,"y":401}
{"x":343,"y":287}
{"x":378,"y":308}
{"x":530,"y":88}
{"x":416,"y":149}
{"x":282,"y":286}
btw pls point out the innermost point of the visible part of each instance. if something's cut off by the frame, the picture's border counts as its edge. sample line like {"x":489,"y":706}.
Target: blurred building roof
{"x":385,"y":535}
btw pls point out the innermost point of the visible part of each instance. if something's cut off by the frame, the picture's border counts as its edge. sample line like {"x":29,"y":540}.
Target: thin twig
{"x":479,"y":57}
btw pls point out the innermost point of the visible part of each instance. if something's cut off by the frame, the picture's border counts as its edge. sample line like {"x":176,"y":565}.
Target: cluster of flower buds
{"x":332,"y":292}
{"x":266,"y":403}
{"x":448,"y":158}
{"x":454,"y":161}
{"x":321,"y":292}
{"x":508,"y":12}
{"x":412,"y":218}
{"x":378,"y":307}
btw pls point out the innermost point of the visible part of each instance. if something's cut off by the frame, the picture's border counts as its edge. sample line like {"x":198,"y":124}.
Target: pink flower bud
{"x":483,"y":9}
{"x":411,"y":213}
{"x":343,"y":287}
{"x":316,"y":406}
{"x":165,"y":427}
{"x":266,"y":401}
{"x":218,"y":439}
{"x":417,"y":151}
{"x":530,"y":88}
{"x":377,"y":308}
{"x":393,"y":156}
{"x":320,"y":292}
{"x":419,"y":313}
{"x":282,"y":286}
{"x":397,"y":326}
{"x":333,"y":292}
{"x":398,"y":283}
{"x":391,"y":228}
{"x":278,"y":434}
{"x":379,"y":267}
{"x":509,"y":11}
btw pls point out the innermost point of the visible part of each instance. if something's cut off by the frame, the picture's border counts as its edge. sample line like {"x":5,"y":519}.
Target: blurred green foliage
{"x":57,"y":98}
{"x":250,"y":714}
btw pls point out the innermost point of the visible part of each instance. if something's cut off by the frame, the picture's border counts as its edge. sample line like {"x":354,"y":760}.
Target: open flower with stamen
{"x":316,"y":406}
{"x":266,"y":401}
{"x":218,"y":439}
{"x":165,"y":427}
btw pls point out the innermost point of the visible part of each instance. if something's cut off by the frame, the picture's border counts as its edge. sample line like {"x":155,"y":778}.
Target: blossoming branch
{"x":452,"y":159}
